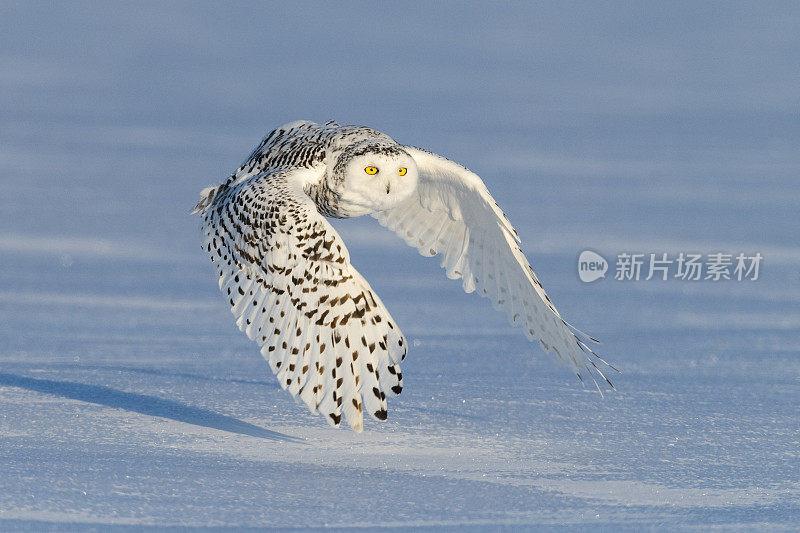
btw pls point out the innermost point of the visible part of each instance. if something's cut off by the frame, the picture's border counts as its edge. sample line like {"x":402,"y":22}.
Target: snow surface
{"x":128,"y":399}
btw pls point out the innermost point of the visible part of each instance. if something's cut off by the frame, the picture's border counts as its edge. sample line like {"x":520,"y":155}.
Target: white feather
{"x":479,"y":245}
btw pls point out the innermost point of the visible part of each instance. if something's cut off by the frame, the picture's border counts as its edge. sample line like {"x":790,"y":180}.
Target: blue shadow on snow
{"x":140,"y":403}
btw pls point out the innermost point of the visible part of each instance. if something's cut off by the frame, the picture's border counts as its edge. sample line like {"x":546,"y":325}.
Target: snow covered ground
{"x":128,"y":398}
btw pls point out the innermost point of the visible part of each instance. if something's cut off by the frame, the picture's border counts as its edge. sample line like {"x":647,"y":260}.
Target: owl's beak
{"x":387,"y":188}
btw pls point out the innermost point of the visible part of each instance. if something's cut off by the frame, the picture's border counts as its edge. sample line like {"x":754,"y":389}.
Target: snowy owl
{"x":287,"y":274}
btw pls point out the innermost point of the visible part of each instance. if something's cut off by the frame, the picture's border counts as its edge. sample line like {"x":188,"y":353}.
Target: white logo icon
{"x":591,"y":266}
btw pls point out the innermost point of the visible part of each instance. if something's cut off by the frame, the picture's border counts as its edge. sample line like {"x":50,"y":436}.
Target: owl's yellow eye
{"x":402,"y":171}
{"x":371,"y":170}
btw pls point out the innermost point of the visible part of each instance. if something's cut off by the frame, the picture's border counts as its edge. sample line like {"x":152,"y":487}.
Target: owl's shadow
{"x":142,"y":403}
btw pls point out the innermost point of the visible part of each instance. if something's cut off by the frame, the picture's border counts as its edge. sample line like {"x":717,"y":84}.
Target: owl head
{"x":372,"y":176}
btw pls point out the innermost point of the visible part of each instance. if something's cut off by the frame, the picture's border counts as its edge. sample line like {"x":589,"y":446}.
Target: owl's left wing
{"x":452,"y":214}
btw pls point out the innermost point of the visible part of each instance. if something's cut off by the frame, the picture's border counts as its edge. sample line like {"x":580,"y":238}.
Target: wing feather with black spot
{"x":287,"y":276}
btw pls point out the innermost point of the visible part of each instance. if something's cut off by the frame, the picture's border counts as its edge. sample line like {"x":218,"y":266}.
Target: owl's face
{"x":375,"y":178}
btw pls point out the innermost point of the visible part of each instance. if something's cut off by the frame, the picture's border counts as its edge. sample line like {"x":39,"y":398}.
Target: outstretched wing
{"x":287,"y":276}
{"x":453,"y":214}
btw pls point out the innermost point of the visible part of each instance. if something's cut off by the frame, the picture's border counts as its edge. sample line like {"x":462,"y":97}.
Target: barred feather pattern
{"x":287,"y":277}
{"x":298,"y":145}
{"x":302,"y":144}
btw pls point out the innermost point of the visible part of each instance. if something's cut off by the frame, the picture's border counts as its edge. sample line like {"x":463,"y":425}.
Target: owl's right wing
{"x":287,"y":276}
